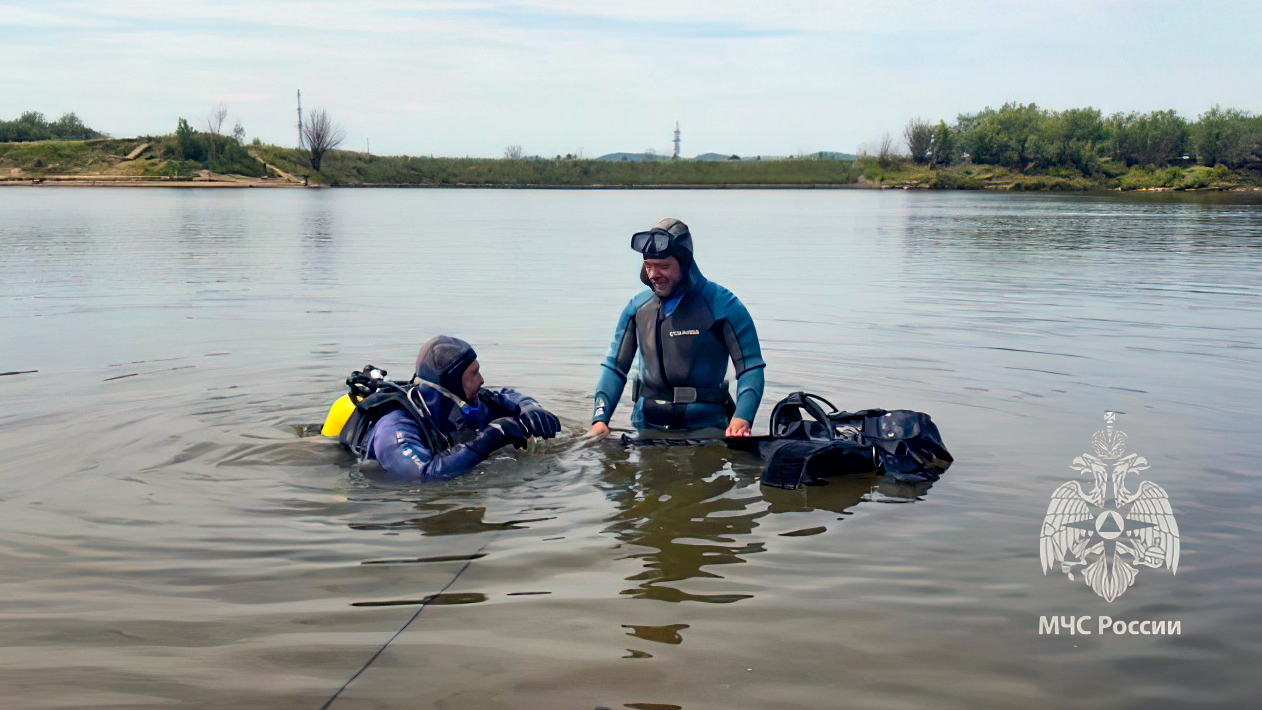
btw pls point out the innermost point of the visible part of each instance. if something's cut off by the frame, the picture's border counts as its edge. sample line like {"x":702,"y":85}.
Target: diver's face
{"x":663,"y":275}
{"x":472,"y":381}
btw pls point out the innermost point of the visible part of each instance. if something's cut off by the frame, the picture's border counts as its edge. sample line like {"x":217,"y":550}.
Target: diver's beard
{"x":667,"y":290}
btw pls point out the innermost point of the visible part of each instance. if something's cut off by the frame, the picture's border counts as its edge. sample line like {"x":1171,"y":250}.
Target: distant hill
{"x":820,"y":155}
{"x":632,"y":157}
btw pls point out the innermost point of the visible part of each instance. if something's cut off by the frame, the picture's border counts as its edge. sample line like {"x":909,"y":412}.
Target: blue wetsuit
{"x":684,"y":343}
{"x":399,"y":445}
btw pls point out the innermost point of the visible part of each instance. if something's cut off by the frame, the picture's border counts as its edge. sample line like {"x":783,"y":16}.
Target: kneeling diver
{"x":685,"y":328}
{"x":411,"y":430}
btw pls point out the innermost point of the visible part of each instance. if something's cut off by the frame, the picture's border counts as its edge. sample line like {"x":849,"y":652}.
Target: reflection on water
{"x":658,"y":634}
{"x":319,"y":249}
{"x":697,"y":508}
{"x":687,"y":507}
{"x":171,"y":539}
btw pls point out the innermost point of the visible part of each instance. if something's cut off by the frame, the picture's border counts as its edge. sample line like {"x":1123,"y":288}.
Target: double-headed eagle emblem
{"x":1100,"y":529}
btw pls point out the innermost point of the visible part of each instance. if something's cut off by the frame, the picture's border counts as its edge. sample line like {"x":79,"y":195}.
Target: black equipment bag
{"x":810,"y":442}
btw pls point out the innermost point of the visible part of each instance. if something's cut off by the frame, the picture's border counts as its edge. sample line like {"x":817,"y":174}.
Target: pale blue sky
{"x":456,"y":77}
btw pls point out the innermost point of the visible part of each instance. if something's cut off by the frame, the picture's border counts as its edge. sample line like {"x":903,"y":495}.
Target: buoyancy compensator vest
{"x":811,"y":440}
{"x":373,"y":397}
{"x":683,"y":357}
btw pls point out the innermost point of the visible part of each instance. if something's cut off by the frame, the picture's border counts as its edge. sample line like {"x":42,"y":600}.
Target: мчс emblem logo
{"x":1100,"y":529}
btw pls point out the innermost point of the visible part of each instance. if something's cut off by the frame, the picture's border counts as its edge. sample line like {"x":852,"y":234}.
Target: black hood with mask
{"x":678,"y":243}
{"x":443,"y":361}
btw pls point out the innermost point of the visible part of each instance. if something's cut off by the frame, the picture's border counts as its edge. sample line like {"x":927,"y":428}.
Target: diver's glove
{"x":538,"y":421}
{"x":499,"y":433}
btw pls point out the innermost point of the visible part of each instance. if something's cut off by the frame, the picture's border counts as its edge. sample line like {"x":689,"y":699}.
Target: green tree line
{"x":1025,"y":138}
{"x":32,"y":126}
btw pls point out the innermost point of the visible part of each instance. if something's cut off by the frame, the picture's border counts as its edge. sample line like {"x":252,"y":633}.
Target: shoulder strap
{"x":389,"y":396}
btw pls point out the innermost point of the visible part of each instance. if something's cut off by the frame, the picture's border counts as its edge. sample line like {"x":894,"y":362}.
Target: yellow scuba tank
{"x":338,"y":414}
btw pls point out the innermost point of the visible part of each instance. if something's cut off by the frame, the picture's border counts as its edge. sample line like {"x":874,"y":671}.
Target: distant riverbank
{"x":149,"y":162}
{"x":217,"y":181}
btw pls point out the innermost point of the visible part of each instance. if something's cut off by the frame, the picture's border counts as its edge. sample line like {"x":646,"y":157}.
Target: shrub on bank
{"x":32,"y":126}
{"x":956,"y":180}
{"x":1052,"y":183}
{"x":210,"y":151}
{"x":1201,"y":177}
{"x":1143,"y":178}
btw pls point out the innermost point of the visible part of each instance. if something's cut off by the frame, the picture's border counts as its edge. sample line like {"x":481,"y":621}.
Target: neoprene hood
{"x":443,"y":361}
{"x":669,"y":237}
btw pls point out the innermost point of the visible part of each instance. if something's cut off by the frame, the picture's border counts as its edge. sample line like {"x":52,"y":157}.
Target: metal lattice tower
{"x":301,"y":143}
{"x":676,"y":156}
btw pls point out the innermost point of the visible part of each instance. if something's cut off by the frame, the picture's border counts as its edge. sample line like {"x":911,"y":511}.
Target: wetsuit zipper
{"x":677,"y":411}
{"x":661,"y":346}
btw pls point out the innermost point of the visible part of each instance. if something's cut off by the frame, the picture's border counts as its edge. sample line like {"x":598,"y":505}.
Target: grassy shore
{"x":1121,"y":178}
{"x":131,"y":161}
{"x":361,"y":169}
{"x":223,"y":162}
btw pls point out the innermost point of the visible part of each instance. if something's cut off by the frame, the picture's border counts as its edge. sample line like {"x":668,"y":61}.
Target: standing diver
{"x":685,"y":329}
{"x":411,"y":431}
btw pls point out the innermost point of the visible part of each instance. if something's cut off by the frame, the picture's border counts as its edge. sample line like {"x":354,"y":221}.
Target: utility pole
{"x":676,"y":156}
{"x":301,"y":143}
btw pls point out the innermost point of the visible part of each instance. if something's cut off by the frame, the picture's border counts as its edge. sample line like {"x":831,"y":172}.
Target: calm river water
{"x":169,"y":539}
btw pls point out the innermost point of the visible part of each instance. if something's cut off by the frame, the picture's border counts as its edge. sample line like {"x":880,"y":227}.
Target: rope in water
{"x":328,"y":703}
